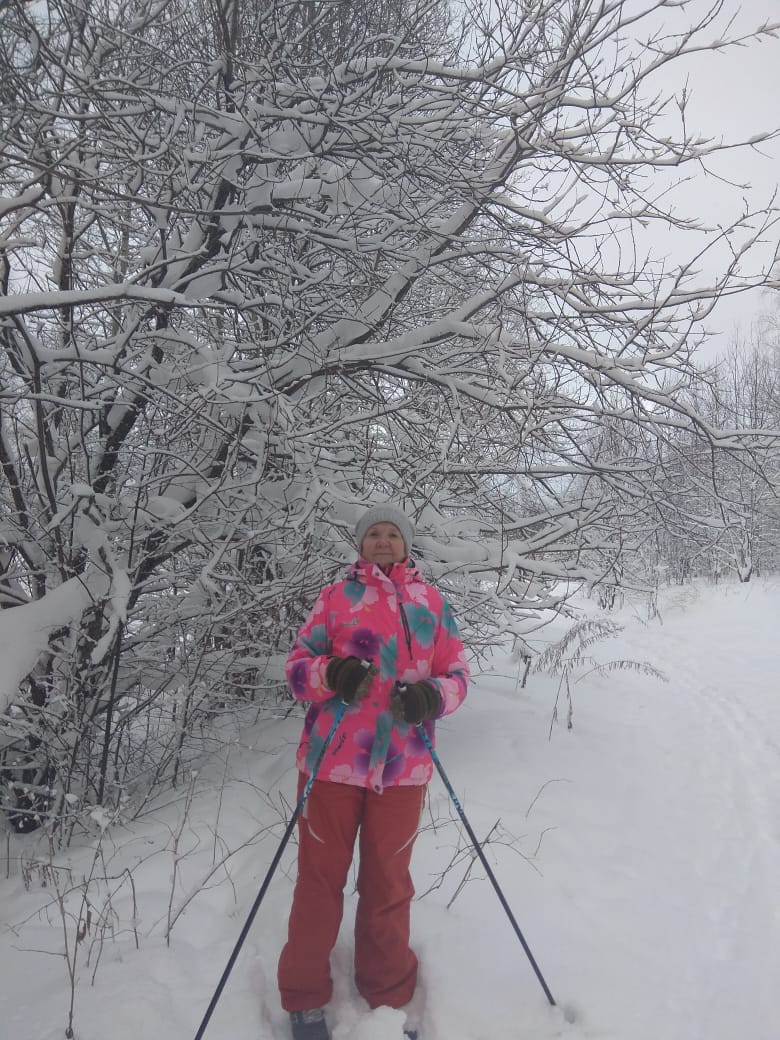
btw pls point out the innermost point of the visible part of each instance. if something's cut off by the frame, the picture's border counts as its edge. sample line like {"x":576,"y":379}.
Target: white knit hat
{"x":387,"y":514}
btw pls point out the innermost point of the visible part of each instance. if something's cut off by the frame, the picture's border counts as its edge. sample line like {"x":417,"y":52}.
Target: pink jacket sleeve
{"x":450,"y":668}
{"x":308,"y":658}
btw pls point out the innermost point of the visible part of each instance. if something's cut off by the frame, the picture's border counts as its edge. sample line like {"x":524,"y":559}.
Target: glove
{"x":415,"y":702}
{"x":349,"y":677}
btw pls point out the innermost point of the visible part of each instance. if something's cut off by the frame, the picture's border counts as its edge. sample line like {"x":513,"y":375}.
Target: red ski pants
{"x":385,"y":966}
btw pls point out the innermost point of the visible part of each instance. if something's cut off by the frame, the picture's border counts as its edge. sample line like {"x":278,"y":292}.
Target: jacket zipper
{"x":407,"y":630}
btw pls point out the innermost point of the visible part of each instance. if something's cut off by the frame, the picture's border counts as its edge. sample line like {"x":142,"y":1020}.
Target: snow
{"x":23,"y":303}
{"x":639,"y":851}
{"x":25,"y":630}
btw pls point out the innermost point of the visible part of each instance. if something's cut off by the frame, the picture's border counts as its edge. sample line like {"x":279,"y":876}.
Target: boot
{"x":309,"y":1025}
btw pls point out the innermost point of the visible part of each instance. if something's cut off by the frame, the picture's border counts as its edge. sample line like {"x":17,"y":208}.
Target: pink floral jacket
{"x":407,"y":628}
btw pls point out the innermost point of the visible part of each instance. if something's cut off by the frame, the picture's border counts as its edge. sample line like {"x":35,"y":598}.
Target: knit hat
{"x":387,"y":514}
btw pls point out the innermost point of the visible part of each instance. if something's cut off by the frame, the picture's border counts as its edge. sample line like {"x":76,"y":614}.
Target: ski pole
{"x":271,"y":870}
{"x":483,"y":859}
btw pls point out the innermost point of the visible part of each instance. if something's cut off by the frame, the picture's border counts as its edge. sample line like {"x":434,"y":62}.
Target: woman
{"x":386,"y":643}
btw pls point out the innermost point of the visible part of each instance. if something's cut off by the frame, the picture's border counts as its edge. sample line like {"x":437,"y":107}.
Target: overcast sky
{"x":735,"y":95}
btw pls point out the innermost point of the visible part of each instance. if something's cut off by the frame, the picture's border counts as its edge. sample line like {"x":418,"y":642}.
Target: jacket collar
{"x":371,"y":573}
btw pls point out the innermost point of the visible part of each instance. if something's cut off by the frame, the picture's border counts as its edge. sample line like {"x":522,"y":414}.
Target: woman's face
{"x":383,"y":543}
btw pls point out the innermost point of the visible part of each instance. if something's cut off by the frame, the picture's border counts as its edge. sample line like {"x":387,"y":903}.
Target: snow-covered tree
{"x":264,"y":262}
{"x":733,"y":526}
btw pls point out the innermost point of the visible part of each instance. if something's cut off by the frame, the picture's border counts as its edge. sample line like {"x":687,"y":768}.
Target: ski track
{"x":723,"y":853}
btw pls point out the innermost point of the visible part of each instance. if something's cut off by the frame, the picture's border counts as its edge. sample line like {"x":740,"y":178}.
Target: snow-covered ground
{"x":639,"y":851}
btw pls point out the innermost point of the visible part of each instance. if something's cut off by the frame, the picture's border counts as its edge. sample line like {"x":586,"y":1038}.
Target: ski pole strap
{"x":483,"y":860}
